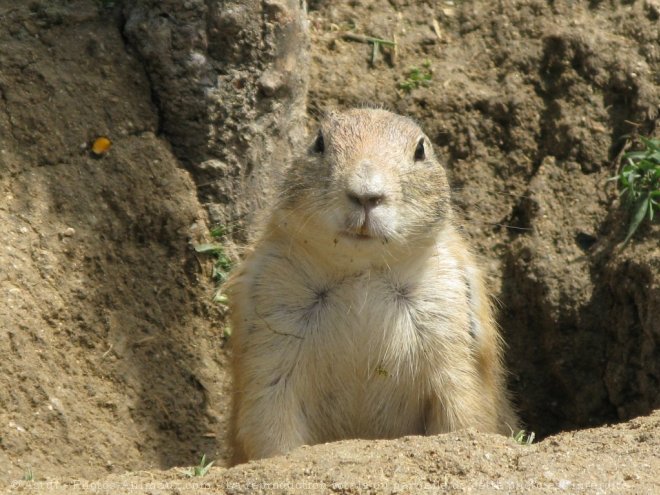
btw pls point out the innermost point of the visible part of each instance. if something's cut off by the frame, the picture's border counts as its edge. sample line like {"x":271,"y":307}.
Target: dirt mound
{"x":111,"y":355}
{"x":620,"y":459}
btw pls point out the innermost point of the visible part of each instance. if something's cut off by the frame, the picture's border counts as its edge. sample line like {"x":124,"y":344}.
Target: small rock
{"x":270,"y":82}
{"x":16,"y":426}
{"x":56,"y":404}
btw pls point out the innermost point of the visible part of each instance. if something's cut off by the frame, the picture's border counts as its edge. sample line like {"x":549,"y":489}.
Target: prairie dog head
{"x":369,"y":182}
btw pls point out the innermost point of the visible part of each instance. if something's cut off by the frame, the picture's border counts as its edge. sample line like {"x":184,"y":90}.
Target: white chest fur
{"x":375,"y":339}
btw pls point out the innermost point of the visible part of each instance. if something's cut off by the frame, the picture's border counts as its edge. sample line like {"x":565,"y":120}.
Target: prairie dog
{"x":359,"y":311}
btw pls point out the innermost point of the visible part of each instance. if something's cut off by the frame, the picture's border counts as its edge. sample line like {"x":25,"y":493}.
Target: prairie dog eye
{"x":319,"y":144}
{"x":420,"y":152}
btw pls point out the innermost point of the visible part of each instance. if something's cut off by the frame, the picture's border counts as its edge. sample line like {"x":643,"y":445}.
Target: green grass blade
{"x":652,"y":144}
{"x":640,"y":213}
{"x":650,"y":208}
{"x":646,"y":165}
{"x":208,"y":248}
{"x":634,"y":155}
{"x":218,"y":231}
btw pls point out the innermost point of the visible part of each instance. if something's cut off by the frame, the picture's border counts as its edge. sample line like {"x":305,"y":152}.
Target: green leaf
{"x":223,"y":262}
{"x":646,"y":165}
{"x":650,"y":208}
{"x":634,"y":155}
{"x":208,"y":248}
{"x":640,"y":212}
{"x":218,"y":231}
{"x":653,"y":144}
{"x":201,"y":469}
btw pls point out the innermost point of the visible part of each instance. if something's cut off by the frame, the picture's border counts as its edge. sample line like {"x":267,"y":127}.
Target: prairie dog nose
{"x":366,"y":188}
{"x":367,"y":200}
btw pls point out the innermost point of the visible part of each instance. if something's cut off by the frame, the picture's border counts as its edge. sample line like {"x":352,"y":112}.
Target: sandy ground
{"x":621,"y":459}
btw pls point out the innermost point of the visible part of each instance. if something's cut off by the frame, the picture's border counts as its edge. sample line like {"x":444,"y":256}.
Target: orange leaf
{"x":101,"y":145}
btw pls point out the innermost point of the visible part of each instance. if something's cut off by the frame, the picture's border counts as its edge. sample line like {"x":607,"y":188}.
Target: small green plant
{"x":221,"y":264}
{"x":639,"y":181}
{"x":523,"y":438}
{"x":201,"y":469}
{"x":417,"y":77}
{"x":28,"y":475}
{"x":376,"y":43}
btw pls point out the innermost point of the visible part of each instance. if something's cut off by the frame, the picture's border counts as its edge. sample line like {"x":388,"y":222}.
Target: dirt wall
{"x":109,"y":350}
{"x":229,"y":80}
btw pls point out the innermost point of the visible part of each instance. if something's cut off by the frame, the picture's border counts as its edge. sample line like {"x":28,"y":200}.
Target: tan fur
{"x":353,"y":321}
